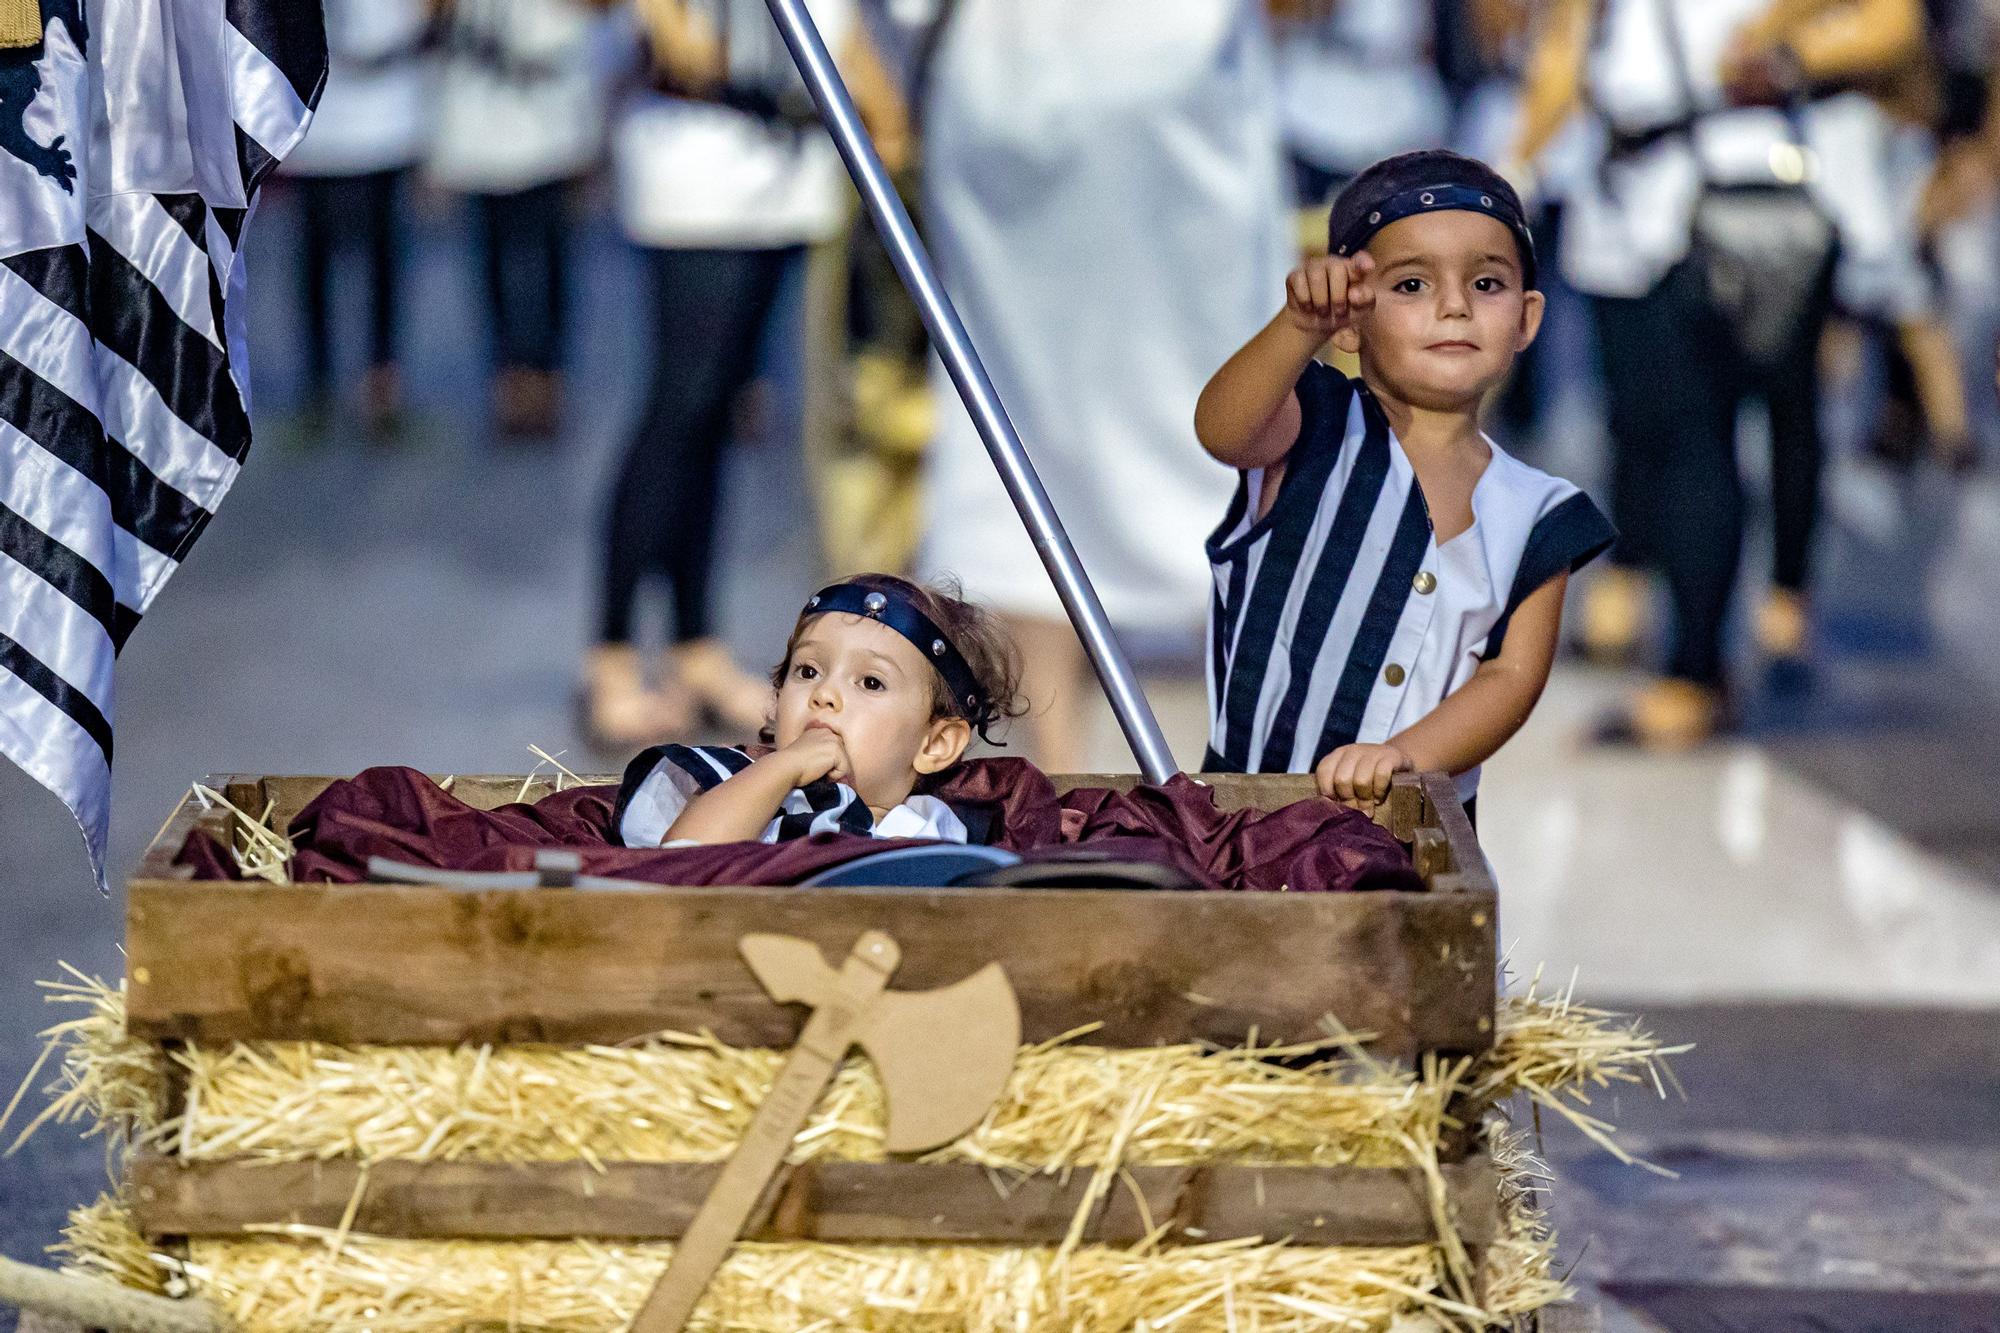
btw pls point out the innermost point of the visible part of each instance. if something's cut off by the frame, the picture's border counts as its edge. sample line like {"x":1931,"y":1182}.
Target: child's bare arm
{"x":1248,"y":415}
{"x":739,"y":809}
{"x":1473,"y":722}
{"x":878,"y":99}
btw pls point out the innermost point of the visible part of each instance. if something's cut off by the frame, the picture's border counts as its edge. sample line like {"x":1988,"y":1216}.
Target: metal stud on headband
{"x":905,"y":617}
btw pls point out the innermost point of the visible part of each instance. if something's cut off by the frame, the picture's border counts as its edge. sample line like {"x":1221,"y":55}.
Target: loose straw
{"x":260,"y":851}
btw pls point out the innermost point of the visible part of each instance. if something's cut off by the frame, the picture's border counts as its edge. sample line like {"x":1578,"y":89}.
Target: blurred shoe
{"x":1668,"y":716}
{"x":1784,"y":636}
{"x":314,"y":421}
{"x":1783,"y":627}
{"x":382,"y":400}
{"x":621,"y":712}
{"x":731,"y":696}
{"x":1613,"y":616}
{"x":893,"y":409}
{"x":527,"y":403}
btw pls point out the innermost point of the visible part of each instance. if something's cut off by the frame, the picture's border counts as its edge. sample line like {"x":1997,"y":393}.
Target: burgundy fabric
{"x":401,"y":814}
{"x":1310,"y":846}
{"x":1019,"y":795}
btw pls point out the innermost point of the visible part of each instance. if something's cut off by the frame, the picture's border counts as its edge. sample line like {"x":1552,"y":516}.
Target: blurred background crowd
{"x":576,"y":370}
{"x":1773,"y":227}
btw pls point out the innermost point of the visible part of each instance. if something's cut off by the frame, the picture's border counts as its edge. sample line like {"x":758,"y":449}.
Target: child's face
{"x":1451,"y":311}
{"x":871,"y":687}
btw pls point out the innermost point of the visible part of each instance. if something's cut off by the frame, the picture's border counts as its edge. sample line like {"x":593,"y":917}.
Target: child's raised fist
{"x":817,"y":753}
{"x":1323,"y":294}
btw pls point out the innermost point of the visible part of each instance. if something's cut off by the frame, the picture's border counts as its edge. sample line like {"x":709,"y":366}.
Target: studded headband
{"x":902,"y":615}
{"x":1437,"y":199}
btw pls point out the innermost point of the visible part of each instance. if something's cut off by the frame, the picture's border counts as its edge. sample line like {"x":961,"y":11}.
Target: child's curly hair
{"x":972,"y":629}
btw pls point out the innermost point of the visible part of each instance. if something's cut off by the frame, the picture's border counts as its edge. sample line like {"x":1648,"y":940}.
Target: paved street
{"x":1816,"y":904}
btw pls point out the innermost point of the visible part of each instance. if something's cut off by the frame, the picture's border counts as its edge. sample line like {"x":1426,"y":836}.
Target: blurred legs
{"x":1057,"y":683}
{"x":709,"y":312}
{"x":364,"y":207}
{"x":524,"y":240}
{"x":1674,"y":388}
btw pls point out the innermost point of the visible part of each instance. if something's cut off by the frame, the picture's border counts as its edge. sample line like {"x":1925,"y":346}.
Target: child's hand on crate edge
{"x":1359,"y":775}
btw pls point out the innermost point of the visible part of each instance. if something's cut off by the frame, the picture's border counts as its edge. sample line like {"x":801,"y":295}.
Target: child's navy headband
{"x":1438,"y":199}
{"x":904,"y":616}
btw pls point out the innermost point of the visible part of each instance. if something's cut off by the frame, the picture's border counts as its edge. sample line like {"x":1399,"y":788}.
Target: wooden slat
{"x":1443,"y":809}
{"x":158,"y":859}
{"x":389,"y":963}
{"x":1430,"y":852}
{"x":1404,"y":809}
{"x":382,"y":963}
{"x":877,"y":1202}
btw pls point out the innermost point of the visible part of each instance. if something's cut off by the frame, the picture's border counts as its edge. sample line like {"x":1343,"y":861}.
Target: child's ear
{"x":1348,"y":340}
{"x":944,"y":744}
{"x":1533,"y":306}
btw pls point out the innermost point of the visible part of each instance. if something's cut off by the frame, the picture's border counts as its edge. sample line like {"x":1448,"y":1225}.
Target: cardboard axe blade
{"x":939,"y":1052}
{"x":936,"y":1092}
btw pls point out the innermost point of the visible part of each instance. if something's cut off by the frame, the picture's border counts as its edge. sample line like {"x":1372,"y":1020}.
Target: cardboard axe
{"x":943,"y":1057}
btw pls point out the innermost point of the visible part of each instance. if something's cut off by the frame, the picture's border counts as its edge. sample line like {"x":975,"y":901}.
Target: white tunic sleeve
{"x":659,"y":783}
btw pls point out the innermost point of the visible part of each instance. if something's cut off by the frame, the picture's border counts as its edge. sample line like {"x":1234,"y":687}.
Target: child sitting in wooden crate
{"x":883,"y":684}
{"x":1388,"y":582}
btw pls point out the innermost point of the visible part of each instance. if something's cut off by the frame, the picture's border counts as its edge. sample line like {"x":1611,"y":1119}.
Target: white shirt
{"x":1338,"y":617}
{"x":659,"y":784}
{"x":698,"y":174}
{"x":520,"y":95}
{"x":373,"y":115}
{"x":1631,"y":219}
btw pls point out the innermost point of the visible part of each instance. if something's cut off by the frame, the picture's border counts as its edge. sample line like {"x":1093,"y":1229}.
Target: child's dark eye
{"x":874,"y":684}
{"x":1489,"y":284}
{"x":805,"y":672}
{"x":1409,"y":286}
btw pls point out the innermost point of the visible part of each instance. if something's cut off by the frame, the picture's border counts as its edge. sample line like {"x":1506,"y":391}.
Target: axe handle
{"x":806,"y":1072}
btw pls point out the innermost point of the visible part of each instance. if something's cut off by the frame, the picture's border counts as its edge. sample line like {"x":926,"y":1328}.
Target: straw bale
{"x":1556,"y":1052}
{"x":311,"y":1279}
{"x":680,"y":1097}
{"x":686,"y":1098}
{"x":1520,"y":1264}
{"x":105,"y":1080}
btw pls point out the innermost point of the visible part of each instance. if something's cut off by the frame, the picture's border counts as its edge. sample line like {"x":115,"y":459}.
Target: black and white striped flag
{"x":133,"y":137}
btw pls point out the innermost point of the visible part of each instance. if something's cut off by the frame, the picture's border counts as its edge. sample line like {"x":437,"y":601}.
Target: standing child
{"x":1388,"y":582}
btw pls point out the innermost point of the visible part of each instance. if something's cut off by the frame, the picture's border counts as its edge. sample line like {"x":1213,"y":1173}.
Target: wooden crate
{"x":399,"y":964}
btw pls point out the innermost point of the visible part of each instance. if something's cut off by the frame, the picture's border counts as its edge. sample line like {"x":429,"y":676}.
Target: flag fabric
{"x":133,"y":137}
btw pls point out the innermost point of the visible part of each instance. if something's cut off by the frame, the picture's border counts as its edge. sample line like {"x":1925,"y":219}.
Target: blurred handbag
{"x":1763,"y":249}
{"x":1763,"y":252}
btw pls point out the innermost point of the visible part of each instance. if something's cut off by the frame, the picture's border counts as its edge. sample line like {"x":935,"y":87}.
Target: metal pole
{"x":961,"y":361}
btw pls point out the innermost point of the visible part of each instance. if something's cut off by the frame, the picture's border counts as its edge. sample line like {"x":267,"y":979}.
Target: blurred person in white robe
{"x":1105,"y":193}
